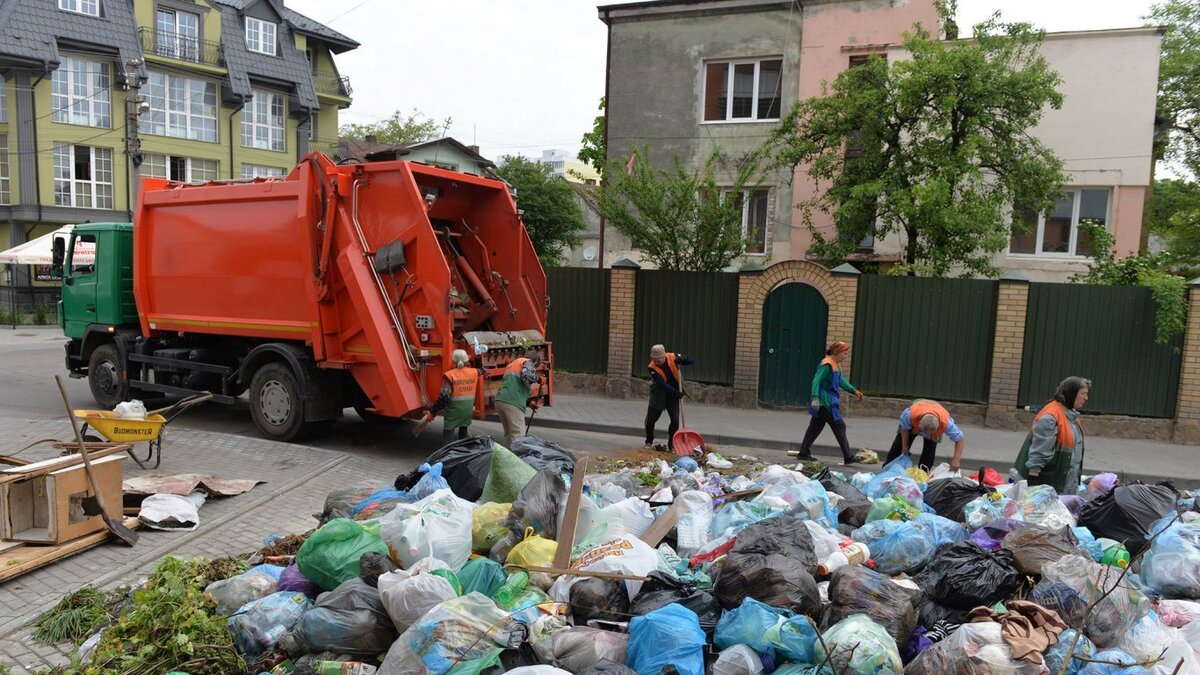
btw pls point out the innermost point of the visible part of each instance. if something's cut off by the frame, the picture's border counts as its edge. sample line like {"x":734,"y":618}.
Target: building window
{"x":180,"y":107}
{"x":755,"y":87}
{"x":89,"y":7}
{"x":260,"y":171}
{"x":312,"y":127}
{"x":81,"y":93}
{"x":754,"y":205}
{"x":3,"y":99}
{"x":260,"y":36}
{"x":83,"y":176}
{"x":5,"y":187}
{"x":262,"y":121}
{"x":1057,"y":233}
{"x":184,"y":169}
{"x":177,"y":34}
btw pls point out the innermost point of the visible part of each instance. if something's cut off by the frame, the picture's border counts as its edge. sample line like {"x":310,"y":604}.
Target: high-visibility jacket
{"x":514,"y":390}
{"x":464,"y":383}
{"x":923,"y":407}
{"x":1066,"y":436}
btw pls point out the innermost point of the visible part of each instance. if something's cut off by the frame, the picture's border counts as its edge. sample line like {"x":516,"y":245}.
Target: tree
{"x":1174,"y":216}
{"x":936,"y":147}
{"x":552,"y":215}
{"x":399,"y":129}
{"x":593,"y":151}
{"x":1179,"y":81}
{"x":680,"y":219}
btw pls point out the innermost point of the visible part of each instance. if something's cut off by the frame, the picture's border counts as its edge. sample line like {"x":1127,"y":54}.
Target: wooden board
{"x":566,"y":533}
{"x":661,"y":527}
{"x":54,"y":464}
{"x":558,"y":571}
{"x":26,"y":558}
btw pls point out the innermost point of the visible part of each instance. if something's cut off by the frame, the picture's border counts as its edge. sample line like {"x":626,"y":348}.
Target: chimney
{"x":473,"y":148}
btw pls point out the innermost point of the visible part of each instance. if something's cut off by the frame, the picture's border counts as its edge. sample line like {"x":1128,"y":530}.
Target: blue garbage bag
{"x":1088,"y":541}
{"x":669,"y":636}
{"x":944,"y":530}
{"x":1056,"y":654}
{"x":896,"y":468}
{"x":733,"y":517}
{"x":1113,"y":656}
{"x":379,"y":498}
{"x":686,"y":464}
{"x":778,"y":634}
{"x":1172,"y":565}
{"x":430,"y":482}
{"x":897,"y":547}
{"x":273,"y":571}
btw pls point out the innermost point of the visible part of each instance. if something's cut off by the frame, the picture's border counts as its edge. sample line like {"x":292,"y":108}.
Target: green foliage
{"x":41,"y":314}
{"x":170,"y":625}
{"x":399,"y":129}
{"x":679,"y":219}
{"x":74,"y":618}
{"x":1145,"y":269}
{"x":939,"y":147}
{"x":648,"y":478}
{"x":594,"y":151}
{"x":552,"y":215}
{"x":1179,"y":81}
{"x":1174,"y":216}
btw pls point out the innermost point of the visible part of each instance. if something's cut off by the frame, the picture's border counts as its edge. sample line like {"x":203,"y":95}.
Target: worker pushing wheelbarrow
{"x":150,"y":428}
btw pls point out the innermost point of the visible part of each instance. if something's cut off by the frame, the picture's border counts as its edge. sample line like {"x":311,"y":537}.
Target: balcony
{"x":181,"y":47}
{"x":330,"y":83}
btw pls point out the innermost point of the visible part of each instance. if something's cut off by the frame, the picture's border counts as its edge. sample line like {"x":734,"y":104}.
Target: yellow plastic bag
{"x":918,"y":474}
{"x":488,"y":525}
{"x":533,"y":551}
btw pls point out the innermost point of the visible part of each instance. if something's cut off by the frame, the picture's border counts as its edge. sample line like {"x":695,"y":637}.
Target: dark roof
{"x":290,"y":67}
{"x":364,"y":151}
{"x":586,"y":192}
{"x":338,"y":42}
{"x":33,"y":31}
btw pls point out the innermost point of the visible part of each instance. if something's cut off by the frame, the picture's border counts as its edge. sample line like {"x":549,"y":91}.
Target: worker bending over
{"x":930,"y":420}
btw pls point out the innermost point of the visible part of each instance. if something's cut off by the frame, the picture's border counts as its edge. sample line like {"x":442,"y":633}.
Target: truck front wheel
{"x":106,"y":376}
{"x":275,"y":402}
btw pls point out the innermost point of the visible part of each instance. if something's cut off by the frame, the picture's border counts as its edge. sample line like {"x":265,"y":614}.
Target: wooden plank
{"x":20,"y":560}
{"x":566,"y":533}
{"x":54,"y":464}
{"x":558,"y":571}
{"x":661,"y":527}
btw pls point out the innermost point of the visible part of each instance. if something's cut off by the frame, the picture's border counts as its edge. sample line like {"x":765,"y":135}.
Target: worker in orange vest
{"x":519,"y":388}
{"x":931,"y":421}
{"x":457,"y":397}
{"x":1053,"y":450}
{"x":666,"y":388}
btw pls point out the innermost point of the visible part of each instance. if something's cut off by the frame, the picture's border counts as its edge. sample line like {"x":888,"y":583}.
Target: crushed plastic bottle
{"x":507,"y":595}
{"x":343,"y":668}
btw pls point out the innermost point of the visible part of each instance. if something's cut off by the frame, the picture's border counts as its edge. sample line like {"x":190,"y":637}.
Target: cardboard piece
{"x":46,"y":508}
{"x":566,"y":533}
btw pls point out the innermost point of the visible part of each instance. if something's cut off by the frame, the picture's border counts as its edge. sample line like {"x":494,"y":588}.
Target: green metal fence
{"x":578,"y":318}
{"x":1103,"y":333}
{"x":690,"y":312}
{"x":922,"y":337}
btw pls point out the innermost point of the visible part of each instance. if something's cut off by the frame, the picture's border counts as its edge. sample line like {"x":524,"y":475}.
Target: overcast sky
{"x":520,"y":76}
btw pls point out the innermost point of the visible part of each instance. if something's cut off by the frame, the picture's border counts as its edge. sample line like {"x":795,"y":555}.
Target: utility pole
{"x":134,"y":107}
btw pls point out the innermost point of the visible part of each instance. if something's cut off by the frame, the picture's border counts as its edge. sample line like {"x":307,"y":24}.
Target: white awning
{"x":40,"y":251}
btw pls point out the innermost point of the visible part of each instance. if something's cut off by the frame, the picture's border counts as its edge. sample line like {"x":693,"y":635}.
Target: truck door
{"x":79,"y":285}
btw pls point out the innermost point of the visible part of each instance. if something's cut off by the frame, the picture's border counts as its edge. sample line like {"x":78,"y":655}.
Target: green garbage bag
{"x":507,"y":476}
{"x":331,"y":554}
{"x":451,"y":578}
{"x":482,"y":575}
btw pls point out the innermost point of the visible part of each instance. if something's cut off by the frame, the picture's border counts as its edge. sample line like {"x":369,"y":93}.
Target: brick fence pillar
{"x":1008,"y":346}
{"x":621,"y":303}
{"x":748,"y":339}
{"x":841,"y":314}
{"x":1187,"y":407}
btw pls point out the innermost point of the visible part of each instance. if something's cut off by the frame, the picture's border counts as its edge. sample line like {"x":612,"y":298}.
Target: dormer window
{"x":260,"y":36}
{"x":89,"y":7}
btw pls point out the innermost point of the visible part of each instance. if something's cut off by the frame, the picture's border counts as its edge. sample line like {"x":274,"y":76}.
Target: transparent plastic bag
{"x":455,"y":631}
{"x":891,"y":507}
{"x":972,"y":648}
{"x":902,"y":487}
{"x":737,"y":660}
{"x":695,"y":521}
{"x":230,"y":594}
{"x":438,"y":526}
{"x":670,"y":636}
{"x":860,"y":646}
{"x":897,"y":547}
{"x":259,"y":625}
{"x":1172,"y":565}
{"x":778,"y":634}
{"x":1033,"y":546}
{"x":350,"y":619}
{"x":1069,"y":585}
{"x":897,"y":468}
{"x":331,"y":554}
{"x":807,"y":500}
{"x":578,"y":648}
{"x":1040,"y":505}
{"x":985,"y":510}
{"x":431,"y":481}
{"x":407,"y":599}
{"x":944,"y":530}
{"x":854,"y":589}
{"x":629,"y":516}
{"x":732,"y":517}
{"x":489,"y":524}
{"x":1056,"y":654}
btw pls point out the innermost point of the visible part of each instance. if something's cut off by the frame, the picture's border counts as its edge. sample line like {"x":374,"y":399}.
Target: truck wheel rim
{"x":275,"y":403}
{"x":106,"y":377}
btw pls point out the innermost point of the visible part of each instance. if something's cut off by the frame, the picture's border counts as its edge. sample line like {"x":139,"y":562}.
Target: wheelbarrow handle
{"x":181,"y":404}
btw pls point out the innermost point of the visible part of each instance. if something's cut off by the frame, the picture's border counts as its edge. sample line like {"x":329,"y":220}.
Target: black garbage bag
{"x":350,"y":619}
{"x":537,"y":505}
{"x":964,"y":576}
{"x":606,"y":667}
{"x":785,"y":536}
{"x":837,"y":486}
{"x":599,"y":599}
{"x":775,"y":579}
{"x":1034,"y":545}
{"x":855,"y":589}
{"x":1126,"y":513}
{"x":465,"y":466}
{"x":542,"y":454}
{"x":853,"y":512}
{"x":662,"y":590}
{"x":929,"y":612}
{"x":948,"y":496}
{"x":373,"y":565}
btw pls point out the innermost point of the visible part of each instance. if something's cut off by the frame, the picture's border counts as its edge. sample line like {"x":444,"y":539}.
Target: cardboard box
{"x":48,"y":508}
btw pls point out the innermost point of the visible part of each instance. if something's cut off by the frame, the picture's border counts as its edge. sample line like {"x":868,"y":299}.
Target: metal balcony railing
{"x":330,"y":83}
{"x":182,"y":47}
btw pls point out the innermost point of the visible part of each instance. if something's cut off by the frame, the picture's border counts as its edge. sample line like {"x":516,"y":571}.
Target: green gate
{"x":577,"y":320}
{"x":795,"y":317}
{"x":694,"y":313}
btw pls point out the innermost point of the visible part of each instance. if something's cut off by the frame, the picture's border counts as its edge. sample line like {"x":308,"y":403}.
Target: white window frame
{"x":3,"y":99}
{"x":180,"y":118}
{"x":5,"y":184}
{"x":88,"y":7}
{"x":69,"y":190}
{"x":262,"y":171}
{"x":257,"y":122}
{"x":729,"y":75}
{"x":151,"y":163}
{"x":87,"y":102}
{"x":175,"y":43}
{"x":1040,"y":233}
{"x":312,"y":127}
{"x":747,"y":194}
{"x":257,"y":31}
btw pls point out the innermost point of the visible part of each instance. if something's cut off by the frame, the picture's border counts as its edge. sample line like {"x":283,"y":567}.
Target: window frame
{"x":747,"y":197}
{"x":255,"y":173}
{"x":729,"y":81}
{"x":150,"y":159}
{"x":3,"y":99}
{"x":77,"y":7}
{"x":5,"y":176}
{"x":93,"y":183}
{"x":1073,"y":243}
{"x":178,"y":45}
{"x":67,"y":75}
{"x":260,"y":41}
{"x":251,"y":113}
{"x":191,"y":129}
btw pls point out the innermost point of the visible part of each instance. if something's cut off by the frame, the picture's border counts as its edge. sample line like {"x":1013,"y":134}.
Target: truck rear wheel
{"x":106,"y":376}
{"x":275,"y":402}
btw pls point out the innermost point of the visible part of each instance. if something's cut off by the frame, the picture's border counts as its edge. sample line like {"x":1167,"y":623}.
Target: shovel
{"x":94,"y":505}
{"x":687,"y":442}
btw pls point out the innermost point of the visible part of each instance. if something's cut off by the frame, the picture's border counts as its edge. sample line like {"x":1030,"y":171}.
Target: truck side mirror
{"x":58,"y":255}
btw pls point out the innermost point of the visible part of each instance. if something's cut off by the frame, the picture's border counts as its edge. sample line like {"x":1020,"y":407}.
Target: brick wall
{"x":1007,"y":348}
{"x":622,"y":286}
{"x":1187,"y":411}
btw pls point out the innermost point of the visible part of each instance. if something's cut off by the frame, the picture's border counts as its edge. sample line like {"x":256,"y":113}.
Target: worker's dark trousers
{"x":652,"y":415}
{"x":448,"y":434}
{"x":928,"y":450}
{"x":817,"y":425}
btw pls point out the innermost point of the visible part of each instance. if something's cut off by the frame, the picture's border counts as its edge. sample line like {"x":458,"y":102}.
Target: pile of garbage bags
{"x":672,"y":568}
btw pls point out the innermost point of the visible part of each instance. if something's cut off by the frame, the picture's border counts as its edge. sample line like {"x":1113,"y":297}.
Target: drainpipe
{"x":231,"y":115}
{"x":604,"y":163}
{"x":37,"y":166}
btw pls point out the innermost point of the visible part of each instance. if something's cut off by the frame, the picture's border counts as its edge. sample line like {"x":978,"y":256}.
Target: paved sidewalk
{"x":778,"y":431}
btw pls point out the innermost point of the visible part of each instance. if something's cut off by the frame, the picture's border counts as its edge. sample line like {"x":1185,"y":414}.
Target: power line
{"x":345,"y":12}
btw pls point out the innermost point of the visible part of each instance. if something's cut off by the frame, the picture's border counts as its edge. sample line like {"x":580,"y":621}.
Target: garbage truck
{"x":337,"y":286}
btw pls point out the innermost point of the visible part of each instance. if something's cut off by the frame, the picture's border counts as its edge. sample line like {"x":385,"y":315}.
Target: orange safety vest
{"x":923,"y":407}
{"x":828,"y":360}
{"x":463,"y":383}
{"x":670,"y":365}
{"x":1066,"y":437}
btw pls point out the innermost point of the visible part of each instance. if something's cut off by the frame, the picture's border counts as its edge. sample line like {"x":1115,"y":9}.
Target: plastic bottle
{"x":343,"y":668}
{"x":854,"y":553}
{"x":507,"y":595}
{"x":1115,"y":556}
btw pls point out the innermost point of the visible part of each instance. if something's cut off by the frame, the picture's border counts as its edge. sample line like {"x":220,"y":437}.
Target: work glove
{"x":1034,"y":478}
{"x":678,"y":395}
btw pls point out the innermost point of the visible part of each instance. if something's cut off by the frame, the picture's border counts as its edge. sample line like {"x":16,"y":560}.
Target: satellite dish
{"x":589,"y":253}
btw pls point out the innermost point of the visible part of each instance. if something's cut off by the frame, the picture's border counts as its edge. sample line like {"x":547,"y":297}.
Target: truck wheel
{"x":275,"y":402}
{"x":105,"y":376}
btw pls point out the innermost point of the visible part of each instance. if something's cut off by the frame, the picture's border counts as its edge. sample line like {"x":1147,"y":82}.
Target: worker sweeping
{"x":458,"y":395}
{"x":666,"y":388}
{"x":518,"y":391}
{"x":931,"y":421}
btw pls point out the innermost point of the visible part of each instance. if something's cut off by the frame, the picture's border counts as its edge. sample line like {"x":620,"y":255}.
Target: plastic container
{"x":849,"y":553}
{"x":1115,"y":555}
{"x":512,"y":589}
{"x":343,"y":668}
